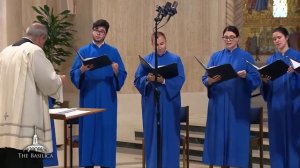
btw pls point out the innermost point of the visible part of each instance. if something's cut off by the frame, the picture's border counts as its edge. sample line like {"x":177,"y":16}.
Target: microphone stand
{"x":156,"y":93}
{"x":162,"y":12}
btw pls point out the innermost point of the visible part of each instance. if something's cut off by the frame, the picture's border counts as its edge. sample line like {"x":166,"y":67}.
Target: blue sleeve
{"x":174,"y":85}
{"x":253,"y":76}
{"x":122,"y":74}
{"x":140,"y":80}
{"x":205,"y":76}
{"x":296,"y":75}
{"x":75,"y":73}
{"x":266,"y":87}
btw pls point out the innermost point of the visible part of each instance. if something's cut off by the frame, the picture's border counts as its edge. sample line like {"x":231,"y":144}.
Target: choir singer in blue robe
{"x":227,"y":130}
{"x":283,"y":99}
{"x":98,"y":89}
{"x":169,"y":106}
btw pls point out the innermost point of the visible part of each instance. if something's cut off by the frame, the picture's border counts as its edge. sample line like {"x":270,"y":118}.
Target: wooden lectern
{"x":66,"y":114}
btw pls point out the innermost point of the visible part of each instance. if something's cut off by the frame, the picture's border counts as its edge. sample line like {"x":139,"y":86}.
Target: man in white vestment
{"x":27,"y":78}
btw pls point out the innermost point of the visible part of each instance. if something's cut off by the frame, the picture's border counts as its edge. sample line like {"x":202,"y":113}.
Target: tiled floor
{"x":129,"y":158}
{"x":126,"y":158}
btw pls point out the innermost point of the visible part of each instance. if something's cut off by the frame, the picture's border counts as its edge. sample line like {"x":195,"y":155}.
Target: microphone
{"x":175,"y":4}
{"x":172,"y":11}
{"x":166,"y":9}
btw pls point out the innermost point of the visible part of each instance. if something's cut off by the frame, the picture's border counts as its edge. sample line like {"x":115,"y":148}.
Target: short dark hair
{"x":101,"y":23}
{"x":159,"y":33}
{"x":233,"y":29}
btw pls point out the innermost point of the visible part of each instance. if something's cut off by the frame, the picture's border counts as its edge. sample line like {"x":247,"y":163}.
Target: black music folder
{"x":97,"y":62}
{"x":274,"y":70}
{"x":226,"y":71}
{"x":167,"y":71}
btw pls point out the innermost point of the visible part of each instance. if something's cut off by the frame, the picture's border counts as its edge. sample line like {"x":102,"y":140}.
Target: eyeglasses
{"x":99,"y":31}
{"x":228,"y":38}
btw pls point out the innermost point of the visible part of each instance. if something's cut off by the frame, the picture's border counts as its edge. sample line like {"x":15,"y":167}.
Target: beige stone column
{"x":3,"y":32}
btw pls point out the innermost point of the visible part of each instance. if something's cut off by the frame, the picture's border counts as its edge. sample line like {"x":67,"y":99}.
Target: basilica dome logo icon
{"x":35,"y":145}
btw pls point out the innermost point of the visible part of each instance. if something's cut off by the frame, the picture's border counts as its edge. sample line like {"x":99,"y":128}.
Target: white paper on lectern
{"x":67,"y":111}
{"x":60,"y":110}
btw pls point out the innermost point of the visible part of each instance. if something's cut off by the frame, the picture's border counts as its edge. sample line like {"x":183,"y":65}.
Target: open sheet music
{"x":295,"y":65}
{"x":167,"y":71}
{"x":226,"y":71}
{"x":273,"y":70}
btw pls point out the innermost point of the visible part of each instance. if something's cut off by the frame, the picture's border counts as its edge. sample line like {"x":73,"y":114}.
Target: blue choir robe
{"x":98,"y":89}
{"x":51,"y":159}
{"x":227,"y":130}
{"x":169,"y":105}
{"x":283,"y":99}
